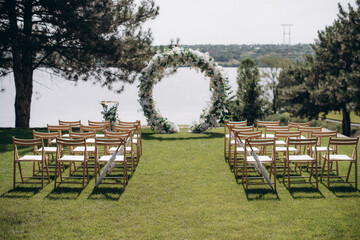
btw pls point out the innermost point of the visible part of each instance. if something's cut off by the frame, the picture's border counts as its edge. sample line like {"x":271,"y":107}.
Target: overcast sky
{"x":242,"y":21}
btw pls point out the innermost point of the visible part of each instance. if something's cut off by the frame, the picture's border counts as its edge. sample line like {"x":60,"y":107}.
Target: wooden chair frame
{"x":296,"y":159}
{"x":297,"y":125}
{"x":138,"y":136}
{"x":120,"y":159}
{"x":227,"y":125}
{"x":65,"y":154}
{"x":330,"y":158}
{"x":40,"y":158}
{"x":264,"y":159}
{"x":273,"y":129}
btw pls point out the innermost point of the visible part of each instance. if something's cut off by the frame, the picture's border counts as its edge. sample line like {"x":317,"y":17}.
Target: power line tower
{"x":286,"y":39}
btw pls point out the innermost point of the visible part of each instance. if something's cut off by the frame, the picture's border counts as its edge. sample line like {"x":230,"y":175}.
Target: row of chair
{"x":76,"y":150}
{"x":299,"y":146}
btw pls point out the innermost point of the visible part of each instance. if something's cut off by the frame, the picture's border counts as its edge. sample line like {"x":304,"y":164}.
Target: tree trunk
{"x":346,"y":123}
{"x":22,"y":62}
{"x":24,"y":87}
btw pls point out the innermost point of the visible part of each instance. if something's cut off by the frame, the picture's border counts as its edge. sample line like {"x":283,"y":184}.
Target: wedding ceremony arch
{"x":167,"y":62}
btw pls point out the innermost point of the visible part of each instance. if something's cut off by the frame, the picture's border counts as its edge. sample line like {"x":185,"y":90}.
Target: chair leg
{"x":22,"y":178}
{"x":356,"y":174}
{"x":323,"y":169}
{"x":328,"y":174}
{"x":14,"y":178}
{"x":348,"y":174}
{"x":56,"y":170}
{"x":42,"y":174}
{"x":47,"y":171}
{"x":288,"y":176}
{"x":316,"y":175}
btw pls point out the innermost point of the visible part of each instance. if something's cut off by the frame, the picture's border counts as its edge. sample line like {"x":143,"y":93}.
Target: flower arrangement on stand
{"x":110,"y":113}
{"x":166,"y":63}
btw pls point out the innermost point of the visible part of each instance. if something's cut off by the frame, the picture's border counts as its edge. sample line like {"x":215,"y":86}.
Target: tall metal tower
{"x":287,"y":41}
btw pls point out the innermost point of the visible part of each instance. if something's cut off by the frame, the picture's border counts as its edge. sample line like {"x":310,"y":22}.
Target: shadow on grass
{"x":21,"y":192}
{"x":64,"y":193}
{"x":348,"y":191}
{"x":262,"y":194}
{"x":302,"y":192}
{"x":176,"y":137}
{"x":106,"y":193}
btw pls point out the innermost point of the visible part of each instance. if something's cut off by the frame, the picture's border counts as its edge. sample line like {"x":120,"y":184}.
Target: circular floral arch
{"x":166,"y":63}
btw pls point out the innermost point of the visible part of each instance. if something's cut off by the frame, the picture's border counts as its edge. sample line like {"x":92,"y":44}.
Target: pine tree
{"x":100,"y":40}
{"x":336,"y":65}
{"x":248,"y":104}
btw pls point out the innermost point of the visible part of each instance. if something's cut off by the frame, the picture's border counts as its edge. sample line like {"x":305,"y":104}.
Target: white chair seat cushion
{"x":339,"y":157}
{"x":134,"y":141}
{"x":280,"y":142}
{"x":113,"y":149}
{"x":106,"y":158}
{"x":241,"y":149}
{"x":300,"y":158}
{"x":31,"y":158}
{"x":264,"y":159}
{"x":48,"y":149}
{"x":283,"y":149}
{"x":77,"y":158}
{"x":82,"y":149}
{"x":321,"y":149}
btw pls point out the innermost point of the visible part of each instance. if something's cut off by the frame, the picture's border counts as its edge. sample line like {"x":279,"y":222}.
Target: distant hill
{"x":231,"y":55}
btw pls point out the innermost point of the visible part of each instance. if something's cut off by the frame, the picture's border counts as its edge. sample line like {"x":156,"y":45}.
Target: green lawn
{"x":182,"y":189}
{"x":338,"y":116}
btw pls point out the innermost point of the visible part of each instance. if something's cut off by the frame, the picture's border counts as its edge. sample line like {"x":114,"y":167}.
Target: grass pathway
{"x":182,"y":189}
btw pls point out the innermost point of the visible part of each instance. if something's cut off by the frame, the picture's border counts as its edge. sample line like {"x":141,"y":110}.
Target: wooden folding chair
{"x":134,"y":129}
{"x":322,"y":147}
{"x":263,"y":124}
{"x":128,"y":135}
{"x":337,"y":157}
{"x":227,"y":126}
{"x":48,"y":139}
{"x":298,"y":159}
{"x":137,"y":136}
{"x":249,"y":160}
{"x":20,"y":145}
{"x":118,"y":170}
{"x":65,"y":154}
{"x":239,"y":148}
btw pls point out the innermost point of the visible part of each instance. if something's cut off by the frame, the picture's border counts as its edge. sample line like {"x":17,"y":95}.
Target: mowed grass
{"x":338,"y":116}
{"x":181,"y":189}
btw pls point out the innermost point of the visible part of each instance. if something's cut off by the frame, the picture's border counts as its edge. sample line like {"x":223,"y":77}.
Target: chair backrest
{"x":130,"y":124}
{"x":273,"y":129}
{"x":262,"y":143}
{"x":95,"y":123}
{"x":36,"y":143}
{"x":92,"y":128}
{"x":250,"y":128}
{"x":108,"y":143}
{"x":267,"y":123}
{"x":61,"y":128}
{"x":297,"y":125}
{"x":86,"y":135}
{"x":63,"y":143}
{"x":308,"y":130}
{"x":321,"y":135}
{"x":248,"y":135}
{"x":309,"y":143}
{"x":287,"y":134}
{"x":75,"y":124}
{"x":234,"y":123}
{"x":121,"y":128}
{"x":48,"y":136}
{"x":344,"y":141}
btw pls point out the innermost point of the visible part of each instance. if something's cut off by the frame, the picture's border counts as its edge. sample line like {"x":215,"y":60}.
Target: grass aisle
{"x":182,"y":189}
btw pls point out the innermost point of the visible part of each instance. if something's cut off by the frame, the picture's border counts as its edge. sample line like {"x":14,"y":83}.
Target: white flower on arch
{"x":166,"y":63}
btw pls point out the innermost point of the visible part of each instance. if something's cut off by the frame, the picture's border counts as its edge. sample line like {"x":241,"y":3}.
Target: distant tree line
{"x":327,"y":80}
{"x":231,"y":55}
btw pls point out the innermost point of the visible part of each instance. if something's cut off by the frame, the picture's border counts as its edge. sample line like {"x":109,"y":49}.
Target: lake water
{"x":179,"y":97}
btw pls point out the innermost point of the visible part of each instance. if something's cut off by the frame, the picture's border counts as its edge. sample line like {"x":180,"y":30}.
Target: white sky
{"x":242,"y":21}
